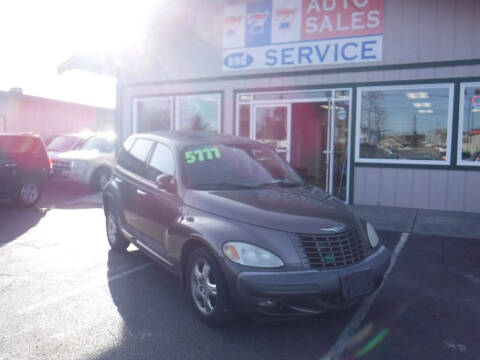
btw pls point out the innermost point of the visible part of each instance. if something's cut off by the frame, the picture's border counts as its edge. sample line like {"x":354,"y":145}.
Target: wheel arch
{"x":190,"y":246}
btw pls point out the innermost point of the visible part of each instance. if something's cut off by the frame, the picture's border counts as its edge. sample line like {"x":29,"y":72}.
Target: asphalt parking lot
{"x":64,"y":295}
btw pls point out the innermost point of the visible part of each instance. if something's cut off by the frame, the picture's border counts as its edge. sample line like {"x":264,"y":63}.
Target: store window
{"x":410,"y":124}
{"x":469,"y":127}
{"x":198,"y":112}
{"x":153,"y":114}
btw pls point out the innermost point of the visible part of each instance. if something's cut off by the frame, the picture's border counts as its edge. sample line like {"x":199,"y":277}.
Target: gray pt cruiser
{"x":242,"y":231}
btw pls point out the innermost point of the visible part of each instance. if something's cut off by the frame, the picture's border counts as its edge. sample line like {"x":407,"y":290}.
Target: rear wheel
{"x":28,"y":193}
{"x":115,"y":238}
{"x":100,"y":179}
{"x":207,"y":289}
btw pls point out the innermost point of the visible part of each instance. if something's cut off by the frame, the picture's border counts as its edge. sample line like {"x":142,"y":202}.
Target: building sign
{"x":281,"y":33}
{"x":476,"y":101}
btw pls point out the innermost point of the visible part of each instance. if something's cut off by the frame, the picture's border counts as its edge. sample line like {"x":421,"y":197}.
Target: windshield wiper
{"x":223,"y":185}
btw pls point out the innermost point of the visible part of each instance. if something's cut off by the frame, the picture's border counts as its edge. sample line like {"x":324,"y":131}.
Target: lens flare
{"x":373,"y":343}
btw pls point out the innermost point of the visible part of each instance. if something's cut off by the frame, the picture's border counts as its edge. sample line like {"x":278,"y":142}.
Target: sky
{"x":38,"y":35}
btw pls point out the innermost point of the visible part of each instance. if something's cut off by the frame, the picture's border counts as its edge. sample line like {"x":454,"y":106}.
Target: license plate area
{"x":357,"y":283}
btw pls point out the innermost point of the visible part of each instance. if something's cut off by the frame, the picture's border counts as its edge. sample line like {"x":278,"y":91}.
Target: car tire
{"x":28,"y":193}
{"x":116,"y":240}
{"x":207,"y":289}
{"x":100,"y":179}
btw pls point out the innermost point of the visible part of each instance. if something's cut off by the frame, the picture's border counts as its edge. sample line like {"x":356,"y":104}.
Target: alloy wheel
{"x":103,"y":178}
{"x":29,"y":193}
{"x":203,"y":286}
{"x":111,"y":228}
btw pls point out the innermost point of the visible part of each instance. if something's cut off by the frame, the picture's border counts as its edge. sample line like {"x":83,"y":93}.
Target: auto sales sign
{"x":282,"y":33}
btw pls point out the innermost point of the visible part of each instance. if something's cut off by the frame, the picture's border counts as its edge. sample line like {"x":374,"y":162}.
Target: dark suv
{"x":239,"y":227}
{"x":24,"y":168}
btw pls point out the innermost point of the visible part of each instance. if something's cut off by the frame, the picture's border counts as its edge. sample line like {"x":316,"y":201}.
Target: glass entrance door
{"x":310,"y":129}
{"x":272,"y":127}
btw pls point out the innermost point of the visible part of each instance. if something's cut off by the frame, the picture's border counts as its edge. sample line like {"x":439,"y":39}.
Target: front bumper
{"x":306,"y":292}
{"x":80,"y":177}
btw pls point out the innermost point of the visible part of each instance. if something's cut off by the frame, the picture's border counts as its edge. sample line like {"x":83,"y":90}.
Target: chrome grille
{"x":59,"y":165}
{"x":332,"y":251}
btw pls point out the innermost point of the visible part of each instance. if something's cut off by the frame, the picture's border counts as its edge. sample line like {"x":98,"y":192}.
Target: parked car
{"x":84,"y":158}
{"x":475,"y":156}
{"x":24,"y":168}
{"x":239,"y":227}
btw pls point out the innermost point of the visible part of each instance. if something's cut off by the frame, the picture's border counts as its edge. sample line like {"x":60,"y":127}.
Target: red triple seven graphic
{"x":285,"y":17}
{"x":256,"y":21}
{"x":232,"y":24}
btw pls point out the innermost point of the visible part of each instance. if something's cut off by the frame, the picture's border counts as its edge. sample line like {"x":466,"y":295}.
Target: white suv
{"x":85,"y":158}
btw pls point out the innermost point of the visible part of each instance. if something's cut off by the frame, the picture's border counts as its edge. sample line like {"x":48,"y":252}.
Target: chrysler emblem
{"x":333,"y":229}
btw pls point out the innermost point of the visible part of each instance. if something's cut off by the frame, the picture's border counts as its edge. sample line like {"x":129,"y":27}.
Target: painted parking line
{"x":78,"y":291}
{"x":343,"y":340}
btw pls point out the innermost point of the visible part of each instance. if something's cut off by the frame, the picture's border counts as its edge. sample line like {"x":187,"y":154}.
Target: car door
{"x":129,"y":176}
{"x":8,"y":164}
{"x":162,"y":206}
{"x":7,"y":174}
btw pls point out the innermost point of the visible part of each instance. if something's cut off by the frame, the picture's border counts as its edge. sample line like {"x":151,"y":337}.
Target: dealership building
{"x":375,"y":101}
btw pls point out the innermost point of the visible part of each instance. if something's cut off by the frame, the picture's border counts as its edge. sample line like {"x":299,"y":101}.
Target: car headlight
{"x":251,"y":255}
{"x":372,"y":236}
{"x":78,"y":165}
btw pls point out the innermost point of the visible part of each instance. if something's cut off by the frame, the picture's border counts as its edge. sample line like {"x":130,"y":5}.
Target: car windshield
{"x":236,"y":167}
{"x":64,"y":143}
{"x":103,"y":144}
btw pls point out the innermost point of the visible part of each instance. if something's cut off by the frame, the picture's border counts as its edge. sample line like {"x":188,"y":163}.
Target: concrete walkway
{"x":433,"y":222}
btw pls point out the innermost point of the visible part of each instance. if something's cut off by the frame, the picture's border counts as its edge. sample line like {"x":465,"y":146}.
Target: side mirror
{"x":167,"y":182}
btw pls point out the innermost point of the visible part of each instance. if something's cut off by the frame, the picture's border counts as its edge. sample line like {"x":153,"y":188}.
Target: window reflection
{"x":471,"y":125}
{"x":201,"y":112}
{"x":271,"y":126}
{"x":154,"y":115}
{"x":404,"y":124}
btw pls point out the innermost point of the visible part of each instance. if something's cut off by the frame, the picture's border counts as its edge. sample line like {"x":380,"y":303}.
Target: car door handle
{"x":10,"y":165}
{"x":141,"y":192}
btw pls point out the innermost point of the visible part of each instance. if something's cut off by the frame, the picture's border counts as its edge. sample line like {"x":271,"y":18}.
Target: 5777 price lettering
{"x":202,"y":154}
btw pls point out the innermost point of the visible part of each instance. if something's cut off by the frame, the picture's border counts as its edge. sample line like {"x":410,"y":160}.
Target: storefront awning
{"x":97,"y":62}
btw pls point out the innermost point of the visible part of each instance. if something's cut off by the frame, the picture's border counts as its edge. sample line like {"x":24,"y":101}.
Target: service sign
{"x":282,"y":33}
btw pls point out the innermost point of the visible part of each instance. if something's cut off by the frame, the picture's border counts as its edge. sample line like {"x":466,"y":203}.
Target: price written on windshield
{"x":203,"y":154}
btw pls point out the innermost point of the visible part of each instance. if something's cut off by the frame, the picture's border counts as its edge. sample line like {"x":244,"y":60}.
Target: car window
{"x":161,"y":162}
{"x":134,"y":159}
{"x":63,"y":143}
{"x":100,"y":143}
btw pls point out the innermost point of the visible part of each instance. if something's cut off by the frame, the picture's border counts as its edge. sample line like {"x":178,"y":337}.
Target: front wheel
{"x":207,"y":289}
{"x":115,"y":238}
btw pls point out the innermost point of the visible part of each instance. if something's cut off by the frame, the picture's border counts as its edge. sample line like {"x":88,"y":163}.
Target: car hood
{"x":305,"y":209}
{"x":75,"y":155}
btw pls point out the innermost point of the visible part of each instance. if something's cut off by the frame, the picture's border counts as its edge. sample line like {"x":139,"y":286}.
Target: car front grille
{"x":332,"y":251}
{"x":59,"y":165}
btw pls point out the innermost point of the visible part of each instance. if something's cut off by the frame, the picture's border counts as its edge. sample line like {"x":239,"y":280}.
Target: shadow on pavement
{"x":159,"y":323}
{"x":70,"y":196}
{"x":15,"y":222}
